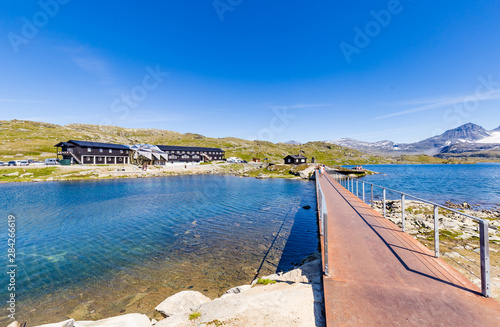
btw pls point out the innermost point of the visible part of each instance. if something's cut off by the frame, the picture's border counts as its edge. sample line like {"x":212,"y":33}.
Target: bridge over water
{"x":379,"y":275}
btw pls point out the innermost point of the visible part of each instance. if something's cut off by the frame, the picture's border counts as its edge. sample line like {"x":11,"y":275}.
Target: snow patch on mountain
{"x":493,"y":138}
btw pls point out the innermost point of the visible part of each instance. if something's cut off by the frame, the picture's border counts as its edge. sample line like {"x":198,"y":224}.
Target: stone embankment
{"x":288,"y":299}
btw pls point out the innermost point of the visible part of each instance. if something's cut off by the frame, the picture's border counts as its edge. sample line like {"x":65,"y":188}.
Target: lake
{"x":475,"y":184}
{"x":94,"y":249}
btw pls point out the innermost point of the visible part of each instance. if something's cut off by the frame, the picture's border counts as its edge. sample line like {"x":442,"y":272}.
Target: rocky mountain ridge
{"x":468,"y":140}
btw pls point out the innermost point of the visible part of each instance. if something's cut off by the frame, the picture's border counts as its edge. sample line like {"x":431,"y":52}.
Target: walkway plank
{"x":380,"y":276}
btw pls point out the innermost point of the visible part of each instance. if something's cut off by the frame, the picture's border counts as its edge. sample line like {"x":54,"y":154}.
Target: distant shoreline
{"x":34,"y":174}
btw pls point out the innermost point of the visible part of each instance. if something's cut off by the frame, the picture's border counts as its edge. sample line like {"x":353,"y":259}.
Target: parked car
{"x":51,"y":161}
{"x":2,"y":163}
{"x":21,"y":163}
{"x":12,"y":163}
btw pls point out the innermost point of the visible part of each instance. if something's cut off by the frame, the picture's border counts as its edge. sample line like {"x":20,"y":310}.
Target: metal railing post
{"x":403,"y":211}
{"x":363,"y":190}
{"x":371,"y":188}
{"x":383,"y":202}
{"x":436,"y":231}
{"x":357,"y":187}
{"x":485,"y":258}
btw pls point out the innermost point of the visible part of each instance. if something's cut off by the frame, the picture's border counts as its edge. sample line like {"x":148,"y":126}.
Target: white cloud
{"x":440,"y":103}
{"x":302,"y":106}
{"x":90,"y":63}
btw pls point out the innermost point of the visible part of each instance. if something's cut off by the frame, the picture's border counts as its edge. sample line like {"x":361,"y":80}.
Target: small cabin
{"x":256,"y":159}
{"x":295,"y":159}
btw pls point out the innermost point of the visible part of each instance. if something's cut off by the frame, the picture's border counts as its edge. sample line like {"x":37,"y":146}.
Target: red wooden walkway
{"x":380,"y":276}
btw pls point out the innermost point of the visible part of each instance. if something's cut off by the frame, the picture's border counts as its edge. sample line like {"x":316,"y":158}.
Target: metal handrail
{"x":323,"y":219}
{"x":348,"y":183}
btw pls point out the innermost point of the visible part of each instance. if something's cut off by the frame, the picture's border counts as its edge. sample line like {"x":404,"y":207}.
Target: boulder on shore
{"x":296,"y":299}
{"x":128,"y":320}
{"x":181,"y":302}
{"x":66,"y":323}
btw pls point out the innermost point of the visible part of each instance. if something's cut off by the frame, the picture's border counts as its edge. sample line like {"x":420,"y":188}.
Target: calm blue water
{"x":208,"y":233}
{"x":476,"y":184}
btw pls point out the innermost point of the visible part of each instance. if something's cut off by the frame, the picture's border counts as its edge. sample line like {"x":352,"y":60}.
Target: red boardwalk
{"x":380,"y":276}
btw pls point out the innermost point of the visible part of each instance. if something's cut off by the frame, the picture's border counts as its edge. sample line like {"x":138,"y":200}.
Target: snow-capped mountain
{"x":468,"y":136}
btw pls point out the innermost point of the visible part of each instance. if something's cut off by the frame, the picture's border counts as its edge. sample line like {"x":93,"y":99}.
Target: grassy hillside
{"x":27,"y":139}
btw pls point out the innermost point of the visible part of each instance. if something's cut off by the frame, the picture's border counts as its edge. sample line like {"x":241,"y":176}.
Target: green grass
{"x":195,"y":315}
{"x":37,"y":173}
{"x":265,"y":281}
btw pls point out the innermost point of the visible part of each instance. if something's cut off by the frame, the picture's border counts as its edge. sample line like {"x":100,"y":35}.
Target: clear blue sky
{"x":276,"y":70}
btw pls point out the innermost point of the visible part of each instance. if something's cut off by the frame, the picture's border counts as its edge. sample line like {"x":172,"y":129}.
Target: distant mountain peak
{"x":467,"y":136}
{"x":293,"y":142}
{"x":466,"y":133}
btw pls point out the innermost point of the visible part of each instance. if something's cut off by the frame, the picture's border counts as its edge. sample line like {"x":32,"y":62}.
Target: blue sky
{"x":275,"y":70}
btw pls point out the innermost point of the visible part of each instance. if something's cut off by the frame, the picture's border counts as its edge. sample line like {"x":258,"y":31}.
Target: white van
{"x":21,"y":163}
{"x":51,"y":162}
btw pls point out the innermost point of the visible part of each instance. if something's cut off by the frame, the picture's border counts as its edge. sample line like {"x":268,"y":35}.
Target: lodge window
{"x":100,"y":150}
{"x":121,"y":151}
{"x":89,"y":149}
{"x":110,"y":151}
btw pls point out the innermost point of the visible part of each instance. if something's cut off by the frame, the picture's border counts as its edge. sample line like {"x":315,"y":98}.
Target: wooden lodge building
{"x":295,"y":159}
{"x":191,"y":153}
{"x":82,"y":152}
{"x":93,"y":153}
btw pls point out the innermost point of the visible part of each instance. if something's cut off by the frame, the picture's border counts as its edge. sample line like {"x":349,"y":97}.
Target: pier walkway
{"x":381,"y":276}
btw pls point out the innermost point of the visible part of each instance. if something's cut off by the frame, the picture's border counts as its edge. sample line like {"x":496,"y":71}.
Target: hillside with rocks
{"x":36,"y":140}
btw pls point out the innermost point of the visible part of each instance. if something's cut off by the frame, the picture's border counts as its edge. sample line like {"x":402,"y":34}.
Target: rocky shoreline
{"x":71,"y":173}
{"x":294,"y":298}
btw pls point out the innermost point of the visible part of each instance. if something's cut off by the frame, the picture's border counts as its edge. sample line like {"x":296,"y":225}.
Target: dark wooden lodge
{"x":93,"y":153}
{"x":295,"y":159}
{"x":191,"y":153}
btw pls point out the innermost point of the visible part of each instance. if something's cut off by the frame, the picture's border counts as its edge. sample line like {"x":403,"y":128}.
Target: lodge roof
{"x":186,"y":148}
{"x":87,"y":144}
{"x":296,"y":156}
